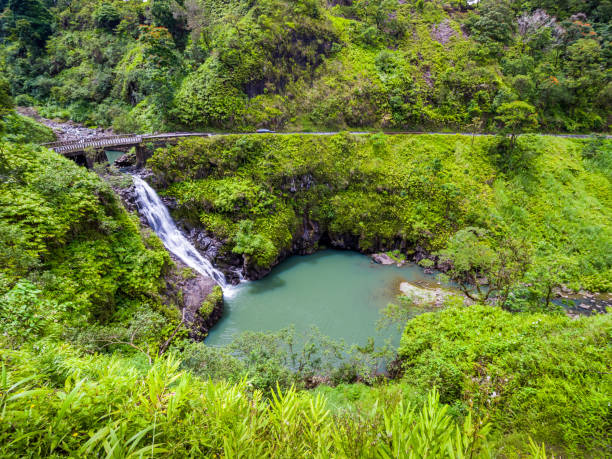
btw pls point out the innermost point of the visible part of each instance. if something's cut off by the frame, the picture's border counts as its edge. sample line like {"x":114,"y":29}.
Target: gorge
{"x":364,"y":229}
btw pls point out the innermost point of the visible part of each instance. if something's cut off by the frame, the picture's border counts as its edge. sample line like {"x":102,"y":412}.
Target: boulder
{"x":383,"y":259}
{"x":202,"y":305}
{"x":125,"y":160}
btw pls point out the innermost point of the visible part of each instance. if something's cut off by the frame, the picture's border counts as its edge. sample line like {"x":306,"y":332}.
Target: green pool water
{"x":340,"y":292}
{"x":112,"y":155}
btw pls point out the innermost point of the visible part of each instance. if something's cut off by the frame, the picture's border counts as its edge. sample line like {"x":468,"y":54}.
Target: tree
{"x":6,"y":101}
{"x":107,"y":16}
{"x":482,"y":268}
{"x":170,"y":14}
{"x":495,"y":23}
{"x":516,"y":117}
{"x":551,"y":272}
{"x":30,"y":22}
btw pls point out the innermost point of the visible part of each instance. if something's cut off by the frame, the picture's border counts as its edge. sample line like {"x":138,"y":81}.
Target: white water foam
{"x":156,"y":213}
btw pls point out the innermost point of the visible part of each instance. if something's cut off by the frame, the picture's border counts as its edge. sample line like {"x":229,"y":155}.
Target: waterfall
{"x":160,"y":220}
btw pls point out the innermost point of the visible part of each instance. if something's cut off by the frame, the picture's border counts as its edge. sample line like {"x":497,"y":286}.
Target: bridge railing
{"x":72,"y":146}
{"x":88,"y":140}
{"x":100,"y":142}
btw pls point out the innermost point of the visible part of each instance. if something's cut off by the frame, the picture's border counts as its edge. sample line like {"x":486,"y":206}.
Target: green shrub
{"x":535,"y":375}
{"x":63,"y":404}
{"x":213,"y":300}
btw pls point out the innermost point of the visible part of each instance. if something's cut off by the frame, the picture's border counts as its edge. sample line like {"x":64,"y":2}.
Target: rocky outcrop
{"x":197,"y":297}
{"x":442,"y":32}
{"x":195,"y":291}
{"x":214,"y":249}
{"x":382,"y":259}
{"x":126,"y":160}
{"x":202,"y":305}
{"x":310,"y":236}
{"x":206,"y":245}
{"x":128,"y":197}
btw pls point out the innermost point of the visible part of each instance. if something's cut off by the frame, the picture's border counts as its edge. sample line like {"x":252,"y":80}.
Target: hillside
{"x":310,"y":65}
{"x":135,"y":320}
{"x":269,"y":196}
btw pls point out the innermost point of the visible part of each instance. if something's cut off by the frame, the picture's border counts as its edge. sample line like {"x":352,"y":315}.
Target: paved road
{"x":569,"y":136}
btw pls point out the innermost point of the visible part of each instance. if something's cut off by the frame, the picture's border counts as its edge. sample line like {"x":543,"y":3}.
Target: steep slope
{"x":311,"y":64}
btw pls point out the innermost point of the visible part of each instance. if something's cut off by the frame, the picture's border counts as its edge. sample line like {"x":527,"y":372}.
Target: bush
{"x":107,"y":16}
{"x":212,"y":301}
{"x":535,"y":375}
{"x":25,"y":100}
{"x":25,"y":316}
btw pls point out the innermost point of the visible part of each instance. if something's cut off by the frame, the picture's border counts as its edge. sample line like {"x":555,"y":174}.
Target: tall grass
{"x":100,"y":410}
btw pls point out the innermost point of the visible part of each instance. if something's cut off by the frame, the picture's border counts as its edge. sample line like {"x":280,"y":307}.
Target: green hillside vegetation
{"x":541,"y":375}
{"x":382,"y":192}
{"x":308,"y":64}
{"x":96,"y":359}
{"x":60,"y":225}
{"x":81,"y":367}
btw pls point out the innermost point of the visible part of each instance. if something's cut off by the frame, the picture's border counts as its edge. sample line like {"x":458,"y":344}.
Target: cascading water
{"x":156,"y":213}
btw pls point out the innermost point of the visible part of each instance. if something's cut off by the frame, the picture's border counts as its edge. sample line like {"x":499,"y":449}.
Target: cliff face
{"x":250,"y":201}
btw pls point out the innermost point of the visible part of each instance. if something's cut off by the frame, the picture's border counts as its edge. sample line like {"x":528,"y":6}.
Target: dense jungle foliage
{"x":310,"y":64}
{"x":92,"y":363}
{"x":95,"y":357}
{"x":383,"y":192}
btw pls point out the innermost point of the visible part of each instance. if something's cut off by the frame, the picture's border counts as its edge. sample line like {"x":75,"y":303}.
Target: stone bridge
{"x":77,"y":149}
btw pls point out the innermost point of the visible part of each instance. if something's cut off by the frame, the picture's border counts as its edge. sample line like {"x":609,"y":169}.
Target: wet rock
{"x":308,"y":242}
{"x":299,"y":183}
{"x":195,"y":291}
{"x":125,"y":160}
{"x":128,"y":197}
{"x":344,"y":241}
{"x":382,"y":259}
{"x":206,"y":245}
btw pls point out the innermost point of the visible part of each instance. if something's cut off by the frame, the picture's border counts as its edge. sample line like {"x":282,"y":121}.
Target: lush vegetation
{"x":547,"y":195}
{"x":310,"y":64}
{"x":96,"y":358}
{"x":56,"y":403}
{"x":61,"y":225}
{"x":546,"y":376}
